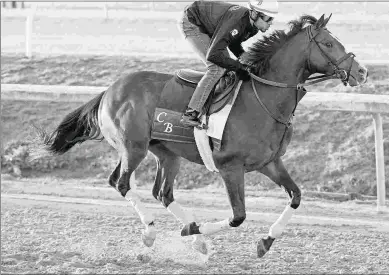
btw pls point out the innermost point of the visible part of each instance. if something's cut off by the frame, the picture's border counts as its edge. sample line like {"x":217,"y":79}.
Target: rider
{"x":211,"y":27}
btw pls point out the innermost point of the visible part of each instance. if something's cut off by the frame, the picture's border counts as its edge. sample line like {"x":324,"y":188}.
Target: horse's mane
{"x":261,"y":51}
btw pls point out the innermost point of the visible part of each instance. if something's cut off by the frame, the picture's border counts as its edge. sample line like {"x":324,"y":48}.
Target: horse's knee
{"x":157,"y":184}
{"x":120,"y":180}
{"x":155,"y":194}
{"x":123,"y":184}
{"x":238,"y":220}
{"x":123,"y":189}
{"x":162,"y":191}
{"x":294,"y":205}
{"x":112,"y":181}
{"x":296,"y":199}
{"x":166,"y":198}
{"x":113,"y":178}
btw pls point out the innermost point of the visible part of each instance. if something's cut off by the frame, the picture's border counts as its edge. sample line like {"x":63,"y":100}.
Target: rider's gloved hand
{"x":243,"y":73}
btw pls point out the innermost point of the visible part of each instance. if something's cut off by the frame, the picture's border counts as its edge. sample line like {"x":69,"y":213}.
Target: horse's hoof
{"x":148,"y":237}
{"x":147,"y":241}
{"x":263,"y":246}
{"x":200,"y":246}
{"x":190,"y":229}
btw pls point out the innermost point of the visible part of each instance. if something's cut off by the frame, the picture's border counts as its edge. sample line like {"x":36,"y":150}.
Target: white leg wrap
{"x":145,"y":215}
{"x":278,"y":227}
{"x":210,"y":228}
{"x":178,"y":212}
{"x":184,"y":217}
{"x":150,"y":231}
{"x":133,"y":185}
{"x":198,"y":238}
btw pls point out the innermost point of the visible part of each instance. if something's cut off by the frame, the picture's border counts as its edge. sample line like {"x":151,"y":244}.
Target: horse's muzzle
{"x":358,"y":74}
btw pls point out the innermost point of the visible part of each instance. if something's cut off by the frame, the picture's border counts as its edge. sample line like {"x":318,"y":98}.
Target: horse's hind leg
{"x":168,"y":165}
{"x":277,"y":172}
{"x":120,"y":179}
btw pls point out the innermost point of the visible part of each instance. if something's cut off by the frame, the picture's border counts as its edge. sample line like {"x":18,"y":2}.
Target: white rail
{"x":374,"y":104}
{"x":49,"y":93}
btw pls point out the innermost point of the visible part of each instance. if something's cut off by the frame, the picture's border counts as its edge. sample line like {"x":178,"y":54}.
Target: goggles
{"x":265,"y":18}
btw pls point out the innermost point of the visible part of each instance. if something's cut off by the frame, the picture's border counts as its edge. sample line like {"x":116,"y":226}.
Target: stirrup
{"x":202,"y":126}
{"x":185,"y":120}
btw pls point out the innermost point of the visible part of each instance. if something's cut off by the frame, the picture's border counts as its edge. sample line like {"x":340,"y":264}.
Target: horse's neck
{"x":287,"y":67}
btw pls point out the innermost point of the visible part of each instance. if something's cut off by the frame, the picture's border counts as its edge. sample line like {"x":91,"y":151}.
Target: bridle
{"x":338,"y":73}
{"x":341,"y":74}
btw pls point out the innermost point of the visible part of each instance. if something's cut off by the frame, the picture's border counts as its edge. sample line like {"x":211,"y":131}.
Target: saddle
{"x":219,"y":96}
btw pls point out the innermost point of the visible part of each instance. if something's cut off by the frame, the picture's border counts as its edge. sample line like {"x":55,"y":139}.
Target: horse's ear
{"x":326,"y":21}
{"x":319,"y":23}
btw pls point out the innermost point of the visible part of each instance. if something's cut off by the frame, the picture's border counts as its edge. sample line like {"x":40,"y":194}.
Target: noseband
{"x":341,"y":74}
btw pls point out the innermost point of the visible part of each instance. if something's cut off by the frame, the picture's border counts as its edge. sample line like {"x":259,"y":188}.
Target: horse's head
{"x":313,"y":49}
{"x":327,"y":55}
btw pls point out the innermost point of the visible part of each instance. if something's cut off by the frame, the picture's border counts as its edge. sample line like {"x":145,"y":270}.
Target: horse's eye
{"x":329,"y":44}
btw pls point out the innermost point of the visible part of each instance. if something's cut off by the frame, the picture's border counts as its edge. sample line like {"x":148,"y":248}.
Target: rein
{"x":286,"y":123}
{"x":299,"y":86}
{"x":337,"y":74}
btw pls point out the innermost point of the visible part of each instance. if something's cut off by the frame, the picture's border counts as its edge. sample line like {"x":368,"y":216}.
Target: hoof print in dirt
{"x":143,"y":258}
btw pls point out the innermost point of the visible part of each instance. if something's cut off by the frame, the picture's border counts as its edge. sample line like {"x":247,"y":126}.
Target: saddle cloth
{"x":167,"y":126}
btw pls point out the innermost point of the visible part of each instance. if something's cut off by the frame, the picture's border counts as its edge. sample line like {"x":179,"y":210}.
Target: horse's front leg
{"x":277,"y":172}
{"x":233,"y":176}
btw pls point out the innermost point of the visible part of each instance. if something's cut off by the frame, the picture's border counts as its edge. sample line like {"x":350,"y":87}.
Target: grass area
{"x":330,"y":151}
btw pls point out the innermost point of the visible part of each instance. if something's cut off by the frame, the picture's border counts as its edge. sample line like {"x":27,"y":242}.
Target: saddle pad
{"x":217,"y":121}
{"x":167,"y":126}
{"x":216,"y":124}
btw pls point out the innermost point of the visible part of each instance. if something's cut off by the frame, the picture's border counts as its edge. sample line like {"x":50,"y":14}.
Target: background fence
{"x":365,"y":38}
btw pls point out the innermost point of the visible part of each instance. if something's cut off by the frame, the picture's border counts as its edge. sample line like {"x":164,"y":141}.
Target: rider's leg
{"x":200,"y":42}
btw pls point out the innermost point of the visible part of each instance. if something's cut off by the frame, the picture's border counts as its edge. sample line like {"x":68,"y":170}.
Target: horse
{"x":256,"y":135}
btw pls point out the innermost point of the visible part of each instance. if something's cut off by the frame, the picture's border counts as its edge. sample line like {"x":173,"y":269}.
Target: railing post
{"x":29,"y":27}
{"x":379,"y":160}
{"x":105,"y":8}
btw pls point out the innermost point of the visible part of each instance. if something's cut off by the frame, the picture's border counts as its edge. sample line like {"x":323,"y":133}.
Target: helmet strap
{"x":254,"y":15}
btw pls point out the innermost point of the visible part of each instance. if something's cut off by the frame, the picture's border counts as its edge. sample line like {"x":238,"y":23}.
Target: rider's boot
{"x":190,"y":118}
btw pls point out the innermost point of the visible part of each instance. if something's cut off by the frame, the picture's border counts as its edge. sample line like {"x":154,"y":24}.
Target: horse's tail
{"x":77,"y":127}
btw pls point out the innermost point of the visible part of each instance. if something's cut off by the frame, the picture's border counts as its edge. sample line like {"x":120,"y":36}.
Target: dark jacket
{"x":227,"y":25}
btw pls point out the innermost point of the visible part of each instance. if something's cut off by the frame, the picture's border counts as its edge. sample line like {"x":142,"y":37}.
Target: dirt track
{"x":92,"y":230}
{"x":378,"y":224}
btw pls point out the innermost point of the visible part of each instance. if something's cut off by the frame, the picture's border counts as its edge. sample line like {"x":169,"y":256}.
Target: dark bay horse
{"x":255,"y":137}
